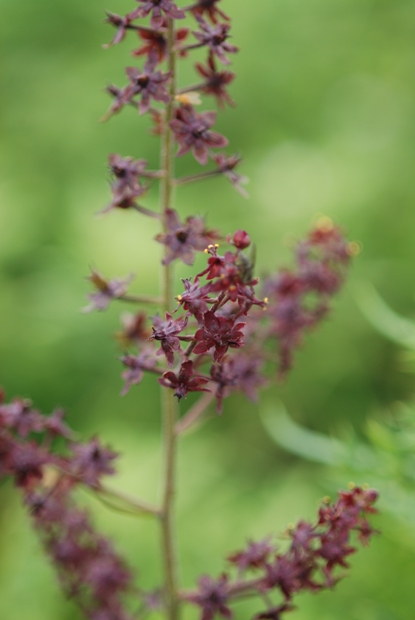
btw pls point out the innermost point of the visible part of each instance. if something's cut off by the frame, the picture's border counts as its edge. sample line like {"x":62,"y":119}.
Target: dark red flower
{"x":136,"y":366}
{"x":135,"y":329}
{"x":193,"y":299}
{"x":212,"y":597}
{"x":92,"y":460}
{"x":207,"y":6}
{"x":166,"y":332}
{"x":240,"y":239}
{"x":106,"y":290}
{"x":182,"y":239}
{"x":254,"y":556}
{"x":21,"y":417}
{"x":158,"y":9}
{"x":192,"y":132}
{"x":146,"y":84}
{"x":220,"y":333}
{"x":121,"y":23}
{"x":227,"y":165}
{"x":216,"y":82}
{"x":185,"y":381}
{"x":155,"y":43}
{"x":215,"y":37}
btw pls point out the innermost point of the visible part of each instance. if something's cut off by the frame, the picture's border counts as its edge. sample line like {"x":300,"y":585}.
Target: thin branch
{"x":197,"y":177}
{"x":194,"y":414}
{"x":141,"y":299}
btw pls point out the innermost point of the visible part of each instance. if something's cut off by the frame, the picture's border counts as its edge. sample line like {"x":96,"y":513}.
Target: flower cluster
{"x":220,"y":323}
{"x":309,"y":563}
{"x":89,"y":569}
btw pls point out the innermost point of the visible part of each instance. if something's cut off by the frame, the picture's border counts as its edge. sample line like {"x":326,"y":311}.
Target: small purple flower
{"x":136,"y":366}
{"x":220,"y":333}
{"x":254,"y":556}
{"x":106,"y":291}
{"x":216,"y":82}
{"x":182,"y":239}
{"x":166,"y":332}
{"x":157,"y":8}
{"x":207,"y":6}
{"x":121,"y":24}
{"x":155,"y":43}
{"x":212,"y":597}
{"x":192,"y":132}
{"x":226,"y":166}
{"x":193,"y":299}
{"x":20,"y":417}
{"x":91,"y":460}
{"x":215,"y":38}
{"x":185,"y":381}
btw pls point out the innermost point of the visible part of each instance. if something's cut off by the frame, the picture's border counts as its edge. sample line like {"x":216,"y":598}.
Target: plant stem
{"x":169,"y":406}
{"x":194,"y":414}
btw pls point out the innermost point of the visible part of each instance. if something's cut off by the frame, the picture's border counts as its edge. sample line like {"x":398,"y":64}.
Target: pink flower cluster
{"x":314,"y":552}
{"x":89,"y":569}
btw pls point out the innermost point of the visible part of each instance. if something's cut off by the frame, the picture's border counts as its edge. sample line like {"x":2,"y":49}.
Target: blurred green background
{"x":325,"y":123}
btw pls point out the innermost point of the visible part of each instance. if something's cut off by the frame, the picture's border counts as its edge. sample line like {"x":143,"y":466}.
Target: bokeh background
{"x":325,"y":123}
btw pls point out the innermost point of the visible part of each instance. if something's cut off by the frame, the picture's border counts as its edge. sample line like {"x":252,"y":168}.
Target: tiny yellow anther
{"x":190,"y":98}
{"x":351,"y":485}
{"x":353,"y":248}
{"x":216,"y":245}
{"x":265,"y":300}
{"x":365,"y":486}
{"x":326,"y":499}
{"x":179,"y":297}
{"x":325,"y":223}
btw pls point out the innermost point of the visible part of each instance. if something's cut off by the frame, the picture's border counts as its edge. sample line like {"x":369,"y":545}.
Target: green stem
{"x":169,"y":406}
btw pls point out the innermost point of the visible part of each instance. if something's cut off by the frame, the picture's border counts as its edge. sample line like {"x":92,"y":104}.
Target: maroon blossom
{"x":134,"y":329}
{"x":107,"y":290}
{"x":212,"y":596}
{"x":193,"y":299}
{"x":159,"y":9}
{"x":146,"y":84}
{"x":166,"y":332}
{"x":192,"y":132}
{"x":20,"y":417}
{"x":122,"y":24}
{"x":215,"y":37}
{"x":227,"y":165}
{"x":155,"y":43}
{"x":254,"y":556}
{"x":220,"y":333}
{"x":185,"y":381}
{"x":209,"y":7}
{"x":182,"y":239}
{"x":136,"y":366}
{"x":216,"y":82}
{"x":240,"y":239}
{"x":92,"y":460}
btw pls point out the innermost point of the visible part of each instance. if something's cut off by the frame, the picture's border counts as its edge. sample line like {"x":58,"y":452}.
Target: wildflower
{"x":91,"y":460}
{"x":227,"y":165}
{"x":136,"y":365}
{"x":122,"y":24}
{"x":193,"y":299}
{"x":106,"y":290}
{"x":216,"y":82}
{"x":212,"y":596}
{"x":155,"y":43}
{"x":254,"y":556}
{"x":166,"y":332}
{"x":185,"y":381}
{"x":157,"y":8}
{"x":215,"y":37}
{"x":182,"y":239}
{"x":207,"y":6}
{"x":192,"y":132}
{"x":220,"y":333}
